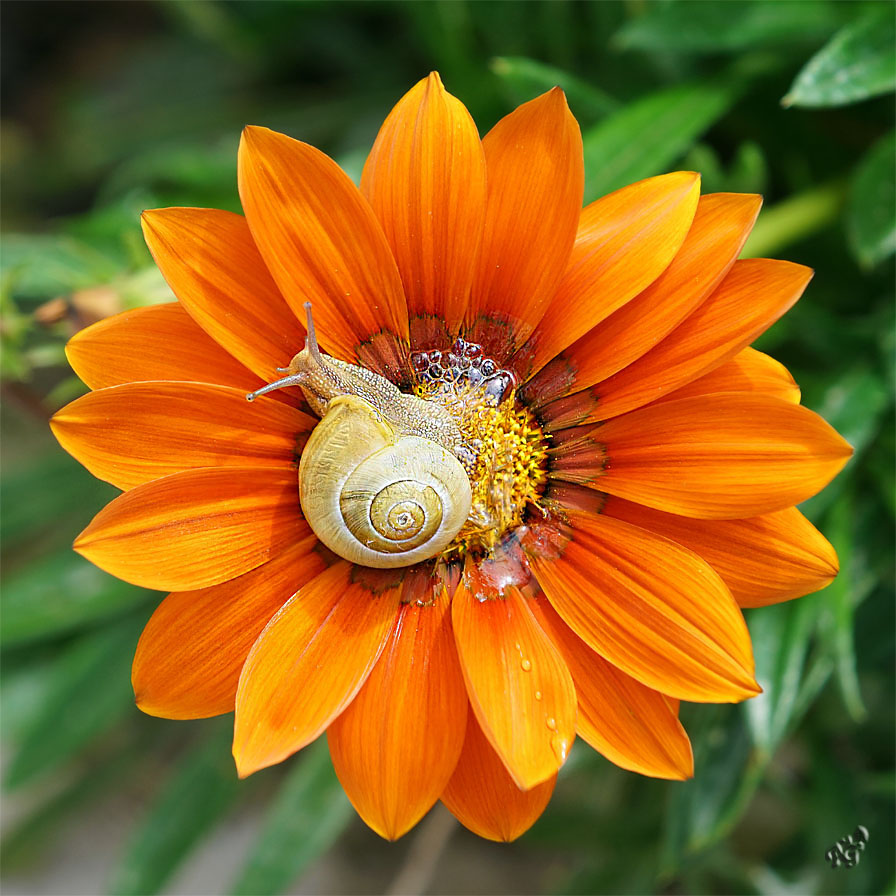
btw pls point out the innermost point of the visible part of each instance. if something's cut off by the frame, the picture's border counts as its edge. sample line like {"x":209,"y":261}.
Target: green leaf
{"x":88,"y":691}
{"x":855,"y":405}
{"x":194,"y":172}
{"x":25,"y":686}
{"x":703,"y":158}
{"x":646,"y":137}
{"x":696,"y":26}
{"x":858,"y":62}
{"x":703,"y":810}
{"x":794,"y":219}
{"x":854,"y":583}
{"x":781,"y":638}
{"x":526,"y":78}
{"x":871,"y":212}
{"x":58,"y":593}
{"x":308,"y":815}
{"x":746,"y":173}
{"x":44,"y":266}
{"x":27,"y":841}
{"x":45,"y":491}
{"x":192,"y":802}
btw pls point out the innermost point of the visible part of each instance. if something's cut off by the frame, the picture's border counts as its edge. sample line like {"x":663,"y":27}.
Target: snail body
{"x":381,"y":482}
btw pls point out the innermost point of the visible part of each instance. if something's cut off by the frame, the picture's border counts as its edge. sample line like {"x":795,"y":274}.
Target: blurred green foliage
{"x":112,"y":108}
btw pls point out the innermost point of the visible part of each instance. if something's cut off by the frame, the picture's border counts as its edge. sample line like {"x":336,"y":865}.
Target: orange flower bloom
{"x":600,"y":470}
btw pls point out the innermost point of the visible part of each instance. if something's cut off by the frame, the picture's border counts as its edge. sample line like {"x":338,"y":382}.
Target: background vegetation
{"x":109,"y":108}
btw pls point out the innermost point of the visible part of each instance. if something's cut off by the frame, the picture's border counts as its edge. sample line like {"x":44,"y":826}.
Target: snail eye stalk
{"x":312,"y":350}
{"x":311,"y":345}
{"x":295,"y":380}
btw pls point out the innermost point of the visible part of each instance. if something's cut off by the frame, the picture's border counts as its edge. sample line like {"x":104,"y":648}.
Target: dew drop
{"x":551,"y":722}
{"x":538,"y":695}
{"x":526,"y":665}
{"x":560,"y":746}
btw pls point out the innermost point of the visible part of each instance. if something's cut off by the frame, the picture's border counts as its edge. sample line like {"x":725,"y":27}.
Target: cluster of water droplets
{"x":463,"y":365}
{"x":559,"y":745}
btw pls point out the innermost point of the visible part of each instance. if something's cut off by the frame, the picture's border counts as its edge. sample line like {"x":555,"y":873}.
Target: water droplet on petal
{"x":526,"y":665}
{"x":560,"y":746}
{"x":551,"y":722}
{"x":538,"y":695}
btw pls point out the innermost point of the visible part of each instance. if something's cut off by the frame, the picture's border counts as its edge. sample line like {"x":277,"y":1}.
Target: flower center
{"x":505,"y":450}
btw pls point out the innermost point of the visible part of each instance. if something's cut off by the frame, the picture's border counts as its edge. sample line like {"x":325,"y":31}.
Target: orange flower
{"x":628,"y":466}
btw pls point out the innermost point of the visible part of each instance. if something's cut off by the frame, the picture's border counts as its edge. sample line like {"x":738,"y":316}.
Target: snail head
{"x":307,"y":369}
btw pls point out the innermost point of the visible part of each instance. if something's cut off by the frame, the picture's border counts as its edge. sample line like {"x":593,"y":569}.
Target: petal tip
{"x":831,"y":561}
{"x":557,"y":97}
{"x":680,"y":767}
{"x":243,"y":768}
{"x":686,"y":176}
{"x":746,"y":204}
{"x":391,"y":830}
{"x":73,"y":346}
{"x":152,"y":222}
{"x":252,"y":135}
{"x":145,"y":704}
{"x":553,"y":100}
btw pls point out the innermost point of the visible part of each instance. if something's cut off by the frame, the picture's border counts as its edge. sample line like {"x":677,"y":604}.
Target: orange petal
{"x":308,"y":664}
{"x":536,"y":181}
{"x":747,"y":371}
{"x":191,"y":652}
{"x":425,"y":179}
{"x":624,"y":242}
{"x":161,"y":342}
{"x":484,"y":798}
{"x":671,"y":623}
{"x":721,"y":225}
{"x":212,"y":265}
{"x":763,"y":560}
{"x":519,"y":686}
{"x":722,"y":456}
{"x":138,"y":432}
{"x":749,"y":300}
{"x":397,"y":744}
{"x":322,"y":243}
{"x":197,"y":528}
{"x":632,"y":725}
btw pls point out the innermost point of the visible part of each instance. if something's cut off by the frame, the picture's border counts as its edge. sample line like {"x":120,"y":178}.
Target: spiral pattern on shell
{"x":376,"y":498}
{"x":404,"y":514}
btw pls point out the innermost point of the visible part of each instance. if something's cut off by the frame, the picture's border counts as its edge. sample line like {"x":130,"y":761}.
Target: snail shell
{"x":377,"y":497}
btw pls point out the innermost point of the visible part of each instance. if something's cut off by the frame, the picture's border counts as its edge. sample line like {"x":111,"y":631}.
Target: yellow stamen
{"x":508,"y":453}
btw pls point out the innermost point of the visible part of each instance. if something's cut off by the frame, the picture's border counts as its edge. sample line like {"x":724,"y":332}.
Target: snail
{"x":381,"y":482}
